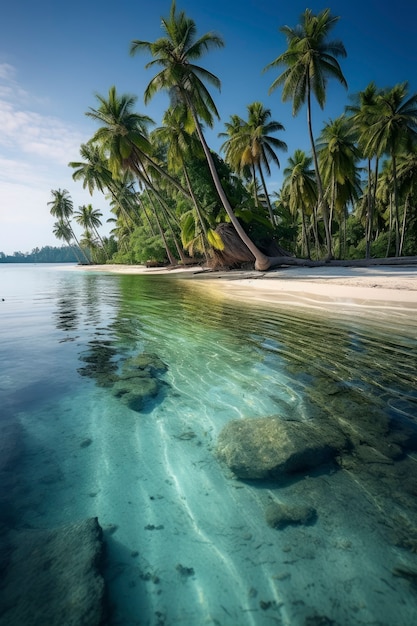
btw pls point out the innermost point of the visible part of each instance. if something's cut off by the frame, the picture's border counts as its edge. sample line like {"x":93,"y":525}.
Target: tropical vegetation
{"x":174,"y":200}
{"x":46,"y":254}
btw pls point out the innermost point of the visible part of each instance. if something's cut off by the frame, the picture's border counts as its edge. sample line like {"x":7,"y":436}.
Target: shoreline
{"x":319,"y":287}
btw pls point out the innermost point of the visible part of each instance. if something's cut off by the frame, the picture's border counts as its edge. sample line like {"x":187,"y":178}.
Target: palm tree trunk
{"x":403,"y":224}
{"x":321,"y":201}
{"x":268,"y":202}
{"x":78,"y":243}
{"x":171,"y":230}
{"x":397,"y":216}
{"x":171,"y":257}
{"x":390,"y":227}
{"x":305,"y":237}
{"x":197,"y":208}
{"x":262,"y":262}
{"x":368,"y":215}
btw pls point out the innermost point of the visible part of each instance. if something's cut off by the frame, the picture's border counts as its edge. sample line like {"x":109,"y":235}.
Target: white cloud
{"x":7,"y":71}
{"x":34,"y":134}
{"x":34,"y":153}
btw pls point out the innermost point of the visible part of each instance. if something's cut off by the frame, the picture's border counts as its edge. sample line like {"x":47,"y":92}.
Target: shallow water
{"x":187,"y":542}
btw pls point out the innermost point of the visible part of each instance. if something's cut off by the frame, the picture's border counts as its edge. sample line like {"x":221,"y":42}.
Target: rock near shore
{"x":52,"y":577}
{"x":268,"y":447}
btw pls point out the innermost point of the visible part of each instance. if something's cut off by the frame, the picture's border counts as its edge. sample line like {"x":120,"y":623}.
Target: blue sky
{"x":54,"y":58}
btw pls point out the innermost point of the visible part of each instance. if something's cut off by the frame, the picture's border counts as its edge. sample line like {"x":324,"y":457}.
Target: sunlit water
{"x":187,"y":542}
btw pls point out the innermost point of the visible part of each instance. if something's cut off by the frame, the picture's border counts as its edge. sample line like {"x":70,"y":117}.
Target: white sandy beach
{"x":318,"y":287}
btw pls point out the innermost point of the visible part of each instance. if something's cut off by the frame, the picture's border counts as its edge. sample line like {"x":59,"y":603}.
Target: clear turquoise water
{"x":187,"y":542}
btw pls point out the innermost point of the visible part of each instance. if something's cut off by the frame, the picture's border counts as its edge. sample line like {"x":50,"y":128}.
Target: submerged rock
{"x":268,"y":447}
{"x":145,"y":361}
{"x":135,"y":391}
{"x":52,"y":577}
{"x":281,"y":515}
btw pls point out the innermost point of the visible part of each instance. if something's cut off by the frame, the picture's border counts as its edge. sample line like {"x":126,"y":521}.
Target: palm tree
{"x":62,"y":208}
{"x":93,"y":171}
{"x":407,"y":178}
{"x":89,"y":219}
{"x":124,"y":137}
{"x":251,"y":144}
{"x":63,"y":232}
{"x":392,"y":131}
{"x":176,"y":54}
{"x":338,"y":159}
{"x":177,"y":135}
{"x":301,"y":187}
{"x":310,"y":60}
{"x":364,"y":102}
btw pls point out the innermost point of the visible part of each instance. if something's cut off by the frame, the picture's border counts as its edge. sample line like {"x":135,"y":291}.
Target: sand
{"x":382,"y":287}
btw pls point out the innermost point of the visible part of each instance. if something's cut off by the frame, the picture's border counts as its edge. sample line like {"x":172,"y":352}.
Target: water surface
{"x":188,"y":543}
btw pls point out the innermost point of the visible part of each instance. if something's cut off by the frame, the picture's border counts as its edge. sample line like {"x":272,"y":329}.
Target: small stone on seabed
{"x":282,"y":515}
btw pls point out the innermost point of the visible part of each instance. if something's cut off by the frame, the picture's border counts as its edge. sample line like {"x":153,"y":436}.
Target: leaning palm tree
{"x":93,"y":171}
{"x":309,"y":61}
{"x":177,"y":134}
{"x":62,"y":207}
{"x":89,"y":219}
{"x":393,"y":130}
{"x":175,"y":54}
{"x":124,"y":136}
{"x":63,"y":232}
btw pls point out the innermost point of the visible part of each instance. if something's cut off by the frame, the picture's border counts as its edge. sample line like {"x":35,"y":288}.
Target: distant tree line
{"x":47,"y":254}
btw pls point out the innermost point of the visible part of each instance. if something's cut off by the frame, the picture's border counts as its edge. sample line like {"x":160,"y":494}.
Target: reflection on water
{"x":115,"y":392}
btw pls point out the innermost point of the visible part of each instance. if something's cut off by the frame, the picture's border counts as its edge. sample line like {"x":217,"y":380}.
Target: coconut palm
{"x":124,"y":137}
{"x":362,"y":104}
{"x":176,"y":54}
{"x":392,"y":131}
{"x":407,"y":179}
{"x":63,"y":232}
{"x":177,"y":134}
{"x":301,"y":189}
{"x":93,"y":171}
{"x":89,"y":219}
{"x":309,"y":61}
{"x":252,"y":145}
{"x":338,"y":160}
{"x":62,"y":207}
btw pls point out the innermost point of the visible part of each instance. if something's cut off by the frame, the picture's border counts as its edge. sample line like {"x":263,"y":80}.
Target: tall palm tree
{"x":407,"y":178}
{"x":300,"y":183}
{"x":362,"y":103}
{"x":62,"y":207}
{"x":338,"y":161}
{"x":176,"y":54}
{"x":251,"y":144}
{"x":309,"y":61}
{"x":393,"y":130}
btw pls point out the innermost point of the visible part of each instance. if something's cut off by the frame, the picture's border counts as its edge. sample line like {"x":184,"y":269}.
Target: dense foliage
{"x":353,"y":196}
